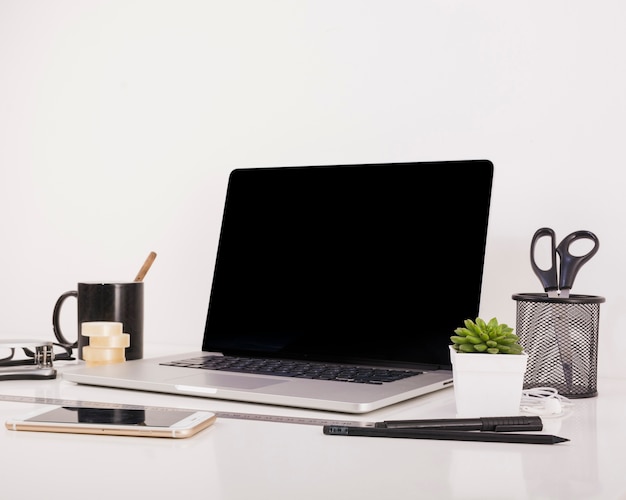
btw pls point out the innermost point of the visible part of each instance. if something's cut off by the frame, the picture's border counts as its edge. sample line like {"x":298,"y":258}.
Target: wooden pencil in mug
{"x":146,"y":267}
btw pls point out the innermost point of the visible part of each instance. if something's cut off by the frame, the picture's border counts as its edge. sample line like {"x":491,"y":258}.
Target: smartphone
{"x":149,"y":422}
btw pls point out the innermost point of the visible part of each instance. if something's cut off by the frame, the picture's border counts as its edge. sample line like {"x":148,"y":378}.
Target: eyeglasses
{"x":37,"y":353}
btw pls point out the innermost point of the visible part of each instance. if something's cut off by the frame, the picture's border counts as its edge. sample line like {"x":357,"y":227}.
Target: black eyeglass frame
{"x":38,"y":353}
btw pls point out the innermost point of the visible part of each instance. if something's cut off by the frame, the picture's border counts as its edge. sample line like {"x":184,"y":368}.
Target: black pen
{"x":497,"y":424}
{"x":486,"y":436}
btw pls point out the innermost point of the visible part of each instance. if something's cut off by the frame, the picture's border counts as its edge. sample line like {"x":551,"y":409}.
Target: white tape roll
{"x":102,"y":363}
{"x":101,"y":328}
{"x":111,"y":355}
{"x":122,"y":340}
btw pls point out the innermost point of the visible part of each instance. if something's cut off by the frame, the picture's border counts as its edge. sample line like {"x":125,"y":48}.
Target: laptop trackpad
{"x":209,"y":380}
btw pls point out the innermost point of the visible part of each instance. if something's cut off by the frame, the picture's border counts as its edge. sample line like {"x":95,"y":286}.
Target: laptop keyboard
{"x":298,"y":369}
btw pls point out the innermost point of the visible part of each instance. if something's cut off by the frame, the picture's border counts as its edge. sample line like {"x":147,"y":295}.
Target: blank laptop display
{"x":368,"y":266}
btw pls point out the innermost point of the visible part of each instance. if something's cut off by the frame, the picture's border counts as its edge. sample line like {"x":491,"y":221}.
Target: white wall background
{"x":120,"y":121}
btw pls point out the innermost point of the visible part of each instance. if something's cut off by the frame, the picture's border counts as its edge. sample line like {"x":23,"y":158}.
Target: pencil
{"x":445,"y":435}
{"x":146,"y":267}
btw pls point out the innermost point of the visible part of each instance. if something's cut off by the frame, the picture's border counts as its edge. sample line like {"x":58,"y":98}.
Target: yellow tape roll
{"x":108,"y":354}
{"x":117,"y":341}
{"x":101,"y":328}
{"x":101,"y":363}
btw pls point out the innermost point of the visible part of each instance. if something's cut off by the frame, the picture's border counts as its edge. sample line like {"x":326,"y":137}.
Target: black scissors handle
{"x":548,"y":277}
{"x":571,"y":264}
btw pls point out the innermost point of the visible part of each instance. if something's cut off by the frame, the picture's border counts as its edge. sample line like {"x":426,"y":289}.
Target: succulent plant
{"x":488,"y":338}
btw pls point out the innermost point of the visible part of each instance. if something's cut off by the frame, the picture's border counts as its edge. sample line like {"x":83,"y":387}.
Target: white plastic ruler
{"x":219,"y":414}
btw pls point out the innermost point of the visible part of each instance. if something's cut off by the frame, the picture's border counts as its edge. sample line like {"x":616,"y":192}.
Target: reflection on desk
{"x":238,"y":459}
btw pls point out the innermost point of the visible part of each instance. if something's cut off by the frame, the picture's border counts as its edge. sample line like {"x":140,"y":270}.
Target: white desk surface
{"x":242,"y":459}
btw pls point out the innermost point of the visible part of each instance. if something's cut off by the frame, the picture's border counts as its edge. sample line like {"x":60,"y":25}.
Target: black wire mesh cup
{"x":560,"y":336}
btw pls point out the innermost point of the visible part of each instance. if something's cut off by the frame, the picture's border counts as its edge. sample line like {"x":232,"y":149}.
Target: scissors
{"x":560,"y":286}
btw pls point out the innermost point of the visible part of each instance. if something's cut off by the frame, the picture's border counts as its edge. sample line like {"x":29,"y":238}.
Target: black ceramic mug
{"x":114,"y":301}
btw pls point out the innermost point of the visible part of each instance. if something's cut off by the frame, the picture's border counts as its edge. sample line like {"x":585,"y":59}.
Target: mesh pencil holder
{"x":560,"y":336}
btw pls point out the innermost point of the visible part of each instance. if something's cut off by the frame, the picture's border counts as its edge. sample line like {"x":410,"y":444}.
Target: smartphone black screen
{"x":112,"y":416}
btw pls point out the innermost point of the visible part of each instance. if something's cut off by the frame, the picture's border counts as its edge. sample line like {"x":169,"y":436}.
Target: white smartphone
{"x":149,"y":422}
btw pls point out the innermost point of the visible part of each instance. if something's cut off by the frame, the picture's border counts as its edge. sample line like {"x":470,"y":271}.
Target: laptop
{"x":368,"y":268}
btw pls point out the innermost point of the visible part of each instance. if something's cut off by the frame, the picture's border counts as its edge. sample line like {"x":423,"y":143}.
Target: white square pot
{"x":488,"y":385}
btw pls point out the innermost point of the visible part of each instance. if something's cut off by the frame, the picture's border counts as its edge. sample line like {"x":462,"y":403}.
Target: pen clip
{"x":520,"y":427}
{"x":512,"y":424}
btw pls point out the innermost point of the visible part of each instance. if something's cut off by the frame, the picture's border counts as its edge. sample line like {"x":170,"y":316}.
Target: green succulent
{"x":489,"y":338}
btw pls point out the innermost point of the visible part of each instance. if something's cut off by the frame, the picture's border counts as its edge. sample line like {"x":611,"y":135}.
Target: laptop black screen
{"x":374,"y":262}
